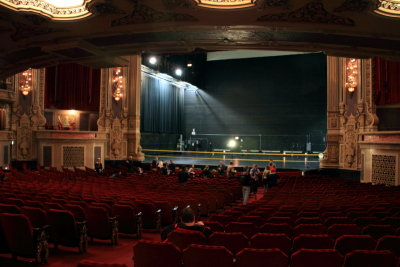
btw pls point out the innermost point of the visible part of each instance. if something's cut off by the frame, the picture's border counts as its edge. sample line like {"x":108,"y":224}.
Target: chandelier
{"x":232,"y":4}
{"x":351,"y":74}
{"x":117,"y":83}
{"x":25,"y":84}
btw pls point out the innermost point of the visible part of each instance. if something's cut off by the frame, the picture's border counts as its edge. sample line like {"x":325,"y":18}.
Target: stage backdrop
{"x":283,"y":99}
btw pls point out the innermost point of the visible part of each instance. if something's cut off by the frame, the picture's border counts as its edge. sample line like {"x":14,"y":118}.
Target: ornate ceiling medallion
{"x":389,"y":8}
{"x":54,"y":9}
{"x":225,"y":4}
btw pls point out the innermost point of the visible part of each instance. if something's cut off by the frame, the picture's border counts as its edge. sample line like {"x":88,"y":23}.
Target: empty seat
{"x":337,"y":220}
{"x":152,"y":253}
{"x":347,"y":243}
{"x":66,"y":231}
{"x":151,"y":216}
{"x":222,"y":219}
{"x":167,"y":214}
{"x":389,"y":242}
{"x":246,"y":228}
{"x":261,"y":258}
{"x":316,"y":258}
{"x":308,"y":220}
{"x":277,"y":228}
{"x":91,"y":263}
{"x":22,"y":239}
{"x":257,"y":220}
{"x":101,"y":225}
{"x":182,"y":238}
{"x":210,"y":256}
{"x":129,"y":220}
{"x":274,"y":219}
{"x":214,"y":226}
{"x":370,"y":258}
{"x":311,"y":229}
{"x":234,"y":242}
{"x":312,"y":242}
{"x":9,"y":208}
{"x":266,"y":241}
{"x":77,"y":210}
{"x":338,"y":230}
{"x":393,"y":221}
{"x":36,"y":216}
{"x":377,"y":231}
{"x":364,"y":221}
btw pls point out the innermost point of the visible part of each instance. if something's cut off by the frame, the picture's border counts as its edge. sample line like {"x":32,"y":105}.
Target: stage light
{"x":231,"y":143}
{"x":236,"y":137}
{"x":321,"y":156}
{"x":153,"y":60}
{"x":178,"y":72}
{"x":189,"y":64}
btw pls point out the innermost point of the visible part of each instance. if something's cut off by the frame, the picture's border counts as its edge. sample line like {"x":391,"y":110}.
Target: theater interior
{"x":313,"y":85}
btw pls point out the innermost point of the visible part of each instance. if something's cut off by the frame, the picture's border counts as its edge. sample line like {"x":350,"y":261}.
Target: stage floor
{"x":298,"y":162}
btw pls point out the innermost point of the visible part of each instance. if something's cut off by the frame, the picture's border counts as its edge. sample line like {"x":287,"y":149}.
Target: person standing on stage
{"x":254,"y":174}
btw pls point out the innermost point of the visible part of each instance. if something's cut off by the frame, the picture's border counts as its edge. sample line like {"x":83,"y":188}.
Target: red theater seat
{"x":277,"y":228}
{"x":338,"y":230}
{"x":257,"y":220}
{"x":267,"y":241}
{"x":248,"y":229}
{"x":152,"y":253}
{"x":261,"y":258}
{"x":36,"y":216}
{"x":389,"y":242}
{"x":91,"y":263}
{"x":377,"y":231}
{"x":182,"y":238}
{"x":22,"y":239}
{"x":210,"y":256}
{"x":77,"y":210}
{"x":234,"y":242}
{"x":311,"y":229}
{"x":348,"y":243}
{"x":370,"y":258}
{"x":316,"y":258}
{"x":214,"y":226}
{"x":312,"y":242}
{"x":101,"y":225}
{"x":129,"y":220}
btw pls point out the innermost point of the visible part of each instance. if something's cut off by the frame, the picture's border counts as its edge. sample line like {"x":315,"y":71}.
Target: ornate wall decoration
{"x":353,"y":5}
{"x":350,"y":142}
{"x":37,"y":118}
{"x":24,"y":138}
{"x":73,"y":156}
{"x":23,"y":31}
{"x":144,"y":14}
{"x":107,"y":7}
{"x":116,"y":139}
{"x":384,"y":169}
{"x":313,"y":12}
{"x":389,"y":8}
{"x":275,"y":3}
{"x":171,"y":4}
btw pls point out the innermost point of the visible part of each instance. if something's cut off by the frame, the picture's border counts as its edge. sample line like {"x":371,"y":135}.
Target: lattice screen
{"x":73,"y":156}
{"x":384,"y":169}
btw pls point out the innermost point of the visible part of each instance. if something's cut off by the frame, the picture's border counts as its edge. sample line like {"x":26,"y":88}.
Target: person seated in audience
{"x":160,"y":164}
{"x":230,"y":171}
{"x":98,"y":166}
{"x":221,"y":167}
{"x":191,"y":171}
{"x":183,"y":176}
{"x":171,"y":167}
{"x":206,"y":173}
{"x":154,"y":163}
{"x":165,"y":170}
{"x":130,"y":164}
{"x":188,"y":222}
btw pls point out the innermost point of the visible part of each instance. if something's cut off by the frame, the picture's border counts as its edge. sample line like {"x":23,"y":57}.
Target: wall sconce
{"x":25,"y":84}
{"x":351,"y":74}
{"x":117,"y":83}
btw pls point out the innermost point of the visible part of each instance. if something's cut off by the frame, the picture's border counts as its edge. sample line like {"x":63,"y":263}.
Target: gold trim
{"x":388,"y":8}
{"x":227,"y":4}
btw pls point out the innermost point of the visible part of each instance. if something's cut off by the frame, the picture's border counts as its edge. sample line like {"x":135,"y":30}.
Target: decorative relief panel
{"x":73,"y":156}
{"x":384,"y":169}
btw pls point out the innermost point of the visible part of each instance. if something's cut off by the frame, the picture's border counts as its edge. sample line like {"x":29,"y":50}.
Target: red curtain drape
{"x":387,"y":81}
{"x":72,"y":86}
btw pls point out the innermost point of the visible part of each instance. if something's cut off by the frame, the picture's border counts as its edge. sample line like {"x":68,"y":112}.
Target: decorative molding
{"x":107,"y":7}
{"x":275,"y":3}
{"x":313,"y":12}
{"x":73,"y":156}
{"x":24,"y":138}
{"x":23,"y":31}
{"x":144,"y":14}
{"x":171,"y":4}
{"x":350,"y":143}
{"x":389,"y":8}
{"x":353,"y":6}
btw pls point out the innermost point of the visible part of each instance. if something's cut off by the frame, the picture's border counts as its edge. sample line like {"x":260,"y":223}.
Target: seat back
{"x":36,"y":216}
{"x":389,"y":242}
{"x":215,"y":226}
{"x":234,"y":242}
{"x":210,"y":256}
{"x":91,"y":263}
{"x":149,"y":214}
{"x":377,"y":231}
{"x":98,"y":222}
{"x":338,"y":230}
{"x":19,"y":234}
{"x":316,"y":258}
{"x":9,"y":208}
{"x":127,"y":221}
{"x":257,"y":220}
{"x":277,"y":228}
{"x":63,"y":227}
{"x":261,"y":258}
{"x":246,"y":228}
{"x":269,"y":241}
{"x":370,"y":258}
{"x":311,"y":229}
{"x":348,"y":243}
{"x":77,"y":210}
{"x":152,"y":253}
{"x":183,"y":238}
{"x":312,"y":242}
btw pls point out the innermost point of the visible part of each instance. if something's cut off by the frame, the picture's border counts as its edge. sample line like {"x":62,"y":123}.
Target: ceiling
{"x":122,"y":27}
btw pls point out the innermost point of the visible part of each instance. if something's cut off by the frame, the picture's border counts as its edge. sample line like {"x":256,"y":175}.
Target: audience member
{"x":221,"y":167}
{"x":171,"y":167}
{"x":230,"y":171}
{"x":183,"y":176}
{"x":160,"y":164}
{"x":265,"y":177}
{"x":254,"y":173}
{"x":192,"y":171}
{"x":206,"y":173}
{"x":98,"y":166}
{"x":245,"y":181}
{"x":188,"y":222}
{"x":154,"y":163}
{"x":131,"y":164}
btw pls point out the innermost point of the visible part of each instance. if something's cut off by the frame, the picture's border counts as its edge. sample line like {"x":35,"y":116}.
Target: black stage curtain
{"x":72,"y":86}
{"x":162,"y":106}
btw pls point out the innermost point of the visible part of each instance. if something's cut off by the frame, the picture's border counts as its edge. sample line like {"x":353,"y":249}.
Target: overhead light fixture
{"x":231,"y":143}
{"x":189,"y":64}
{"x":54,"y":9}
{"x":25,"y":84}
{"x":153,"y":60}
{"x":117,"y":83}
{"x":178,"y":72}
{"x":351,"y":74}
{"x":388,"y":8}
{"x":232,"y":4}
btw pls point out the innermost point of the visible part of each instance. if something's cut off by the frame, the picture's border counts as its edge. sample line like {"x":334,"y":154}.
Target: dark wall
{"x":282,"y":98}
